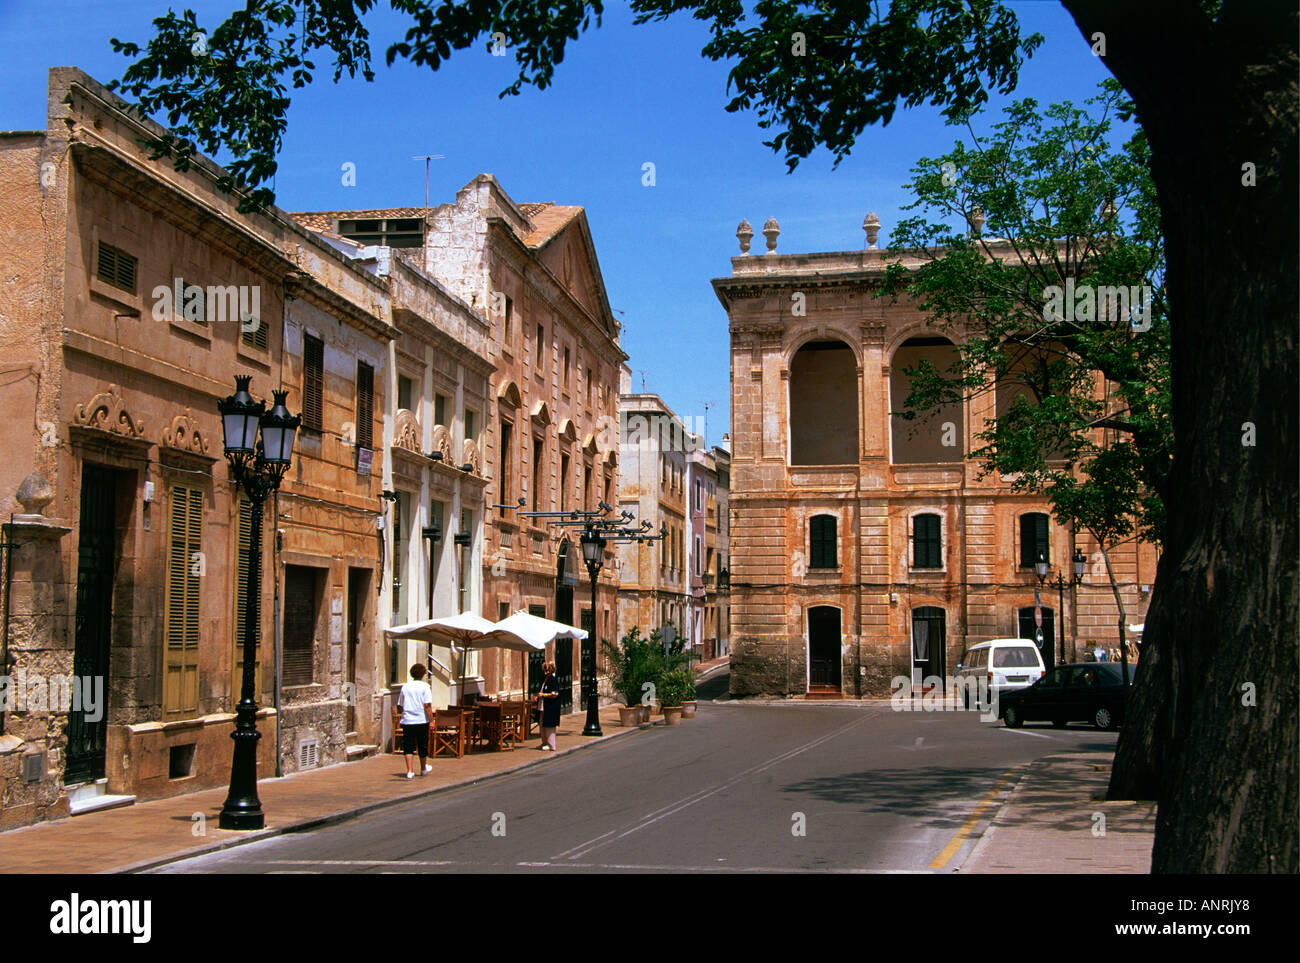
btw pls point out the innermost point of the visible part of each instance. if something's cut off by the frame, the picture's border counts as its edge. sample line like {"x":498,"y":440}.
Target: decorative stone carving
{"x":186,"y":435}
{"x":107,"y":412}
{"x":871,"y":224}
{"x":976,"y":220}
{"x":442,"y":442}
{"x":34,"y":494}
{"x":771,"y":231}
{"x":743,"y":233}
{"x":406,"y":430}
{"x":469,"y":455}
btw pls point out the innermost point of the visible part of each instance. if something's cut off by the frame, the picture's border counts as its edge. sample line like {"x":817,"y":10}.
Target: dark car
{"x":1083,"y":692}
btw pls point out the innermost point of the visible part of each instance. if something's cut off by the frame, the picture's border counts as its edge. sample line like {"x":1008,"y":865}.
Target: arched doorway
{"x":824,"y":649}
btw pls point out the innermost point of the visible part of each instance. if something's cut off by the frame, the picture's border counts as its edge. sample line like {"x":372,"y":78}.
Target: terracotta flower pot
{"x":629,"y":715}
{"x":672,"y":715}
{"x":643,"y":712}
{"x":688,"y":709}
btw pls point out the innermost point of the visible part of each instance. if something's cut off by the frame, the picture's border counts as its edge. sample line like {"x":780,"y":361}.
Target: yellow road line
{"x":968,"y":827}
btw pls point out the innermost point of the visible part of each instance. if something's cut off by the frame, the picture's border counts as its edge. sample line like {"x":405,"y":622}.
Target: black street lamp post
{"x":593,"y":553}
{"x":1078,"y":562}
{"x":597,"y":531}
{"x":258,"y":447}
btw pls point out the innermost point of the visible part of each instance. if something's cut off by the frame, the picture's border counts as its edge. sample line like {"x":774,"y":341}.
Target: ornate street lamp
{"x":1078,"y":562}
{"x":593,"y":553}
{"x":257,"y":465}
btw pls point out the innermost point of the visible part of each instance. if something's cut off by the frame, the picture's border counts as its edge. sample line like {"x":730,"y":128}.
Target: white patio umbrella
{"x":461,"y":631}
{"x":528,"y":633}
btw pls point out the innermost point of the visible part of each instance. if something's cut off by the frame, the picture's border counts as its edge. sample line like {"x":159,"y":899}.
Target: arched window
{"x":822,"y":542}
{"x":927,"y":542}
{"x":938,"y":435}
{"x":824,"y":405}
{"x":1033,"y":538}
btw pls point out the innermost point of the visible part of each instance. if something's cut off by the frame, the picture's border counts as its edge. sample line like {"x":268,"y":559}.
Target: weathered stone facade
{"x":547,"y":431}
{"x":130,"y":572}
{"x":837,"y":583}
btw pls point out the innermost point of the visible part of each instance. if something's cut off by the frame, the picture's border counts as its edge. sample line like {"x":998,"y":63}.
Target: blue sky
{"x":624,"y":96}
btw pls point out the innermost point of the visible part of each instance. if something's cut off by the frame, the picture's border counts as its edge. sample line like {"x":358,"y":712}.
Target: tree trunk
{"x":1212,"y":730}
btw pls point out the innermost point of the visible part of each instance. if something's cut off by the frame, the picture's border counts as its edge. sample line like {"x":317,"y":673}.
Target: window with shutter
{"x":299,"y":625}
{"x":821,"y":542}
{"x":927,"y":544}
{"x":253,"y":335}
{"x":244,"y":524}
{"x":114,"y":266}
{"x":185,"y":568}
{"x":313,"y":382}
{"x":365,"y":405}
{"x":1033,"y":538}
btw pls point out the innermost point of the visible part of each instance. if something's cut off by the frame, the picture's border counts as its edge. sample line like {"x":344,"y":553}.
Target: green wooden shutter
{"x":185,"y":566}
{"x":244,"y":525}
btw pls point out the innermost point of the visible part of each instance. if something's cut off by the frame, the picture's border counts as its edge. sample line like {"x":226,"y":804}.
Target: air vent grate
{"x":308,"y":754}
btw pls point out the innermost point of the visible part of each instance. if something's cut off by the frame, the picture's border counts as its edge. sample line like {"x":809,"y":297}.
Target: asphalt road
{"x":740,"y":788}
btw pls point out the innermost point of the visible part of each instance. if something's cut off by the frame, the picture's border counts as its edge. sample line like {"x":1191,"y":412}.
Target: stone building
{"x":548,"y":433}
{"x":863,"y":547}
{"x":133,"y":295}
{"x":654,"y":580}
{"x":706,"y":485}
{"x":433,"y":465}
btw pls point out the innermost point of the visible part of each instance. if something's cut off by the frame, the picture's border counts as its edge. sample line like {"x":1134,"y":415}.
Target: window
{"x":538,"y":450}
{"x":471,"y":426}
{"x":240,"y":595}
{"x":185,"y":567}
{"x":300,"y":596}
{"x":698,"y":569}
{"x":192,"y":304}
{"x":927,"y":545}
{"x":114,"y":266}
{"x":254,"y":336}
{"x":313,"y":382}
{"x":609,"y":485}
{"x":1033,"y":538}
{"x":566,"y":369}
{"x":823,"y":428}
{"x":366,"y":405}
{"x":440,"y":410}
{"x":586,"y":488}
{"x":404,"y":392}
{"x":538,"y":347}
{"x":564,"y":483}
{"x":506,"y":463}
{"x":509,"y":314}
{"x":385,"y":232}
{"x":821,"y":541}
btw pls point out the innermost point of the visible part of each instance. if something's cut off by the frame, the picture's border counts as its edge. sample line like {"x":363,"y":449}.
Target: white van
{"x":1002,"y":665}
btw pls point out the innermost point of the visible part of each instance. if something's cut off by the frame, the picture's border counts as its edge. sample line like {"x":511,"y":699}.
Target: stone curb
{"x":329,"y":819}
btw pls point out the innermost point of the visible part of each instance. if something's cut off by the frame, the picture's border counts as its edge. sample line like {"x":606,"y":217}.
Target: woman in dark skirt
{"x":550,"y":700}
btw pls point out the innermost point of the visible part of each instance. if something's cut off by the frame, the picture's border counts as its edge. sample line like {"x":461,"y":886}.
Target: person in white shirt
{"x":416,"y":703}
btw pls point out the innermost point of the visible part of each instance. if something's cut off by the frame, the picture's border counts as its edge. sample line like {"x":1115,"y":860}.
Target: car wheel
{"x":1011,"y":716}
{"x":1058,"y":723}
{"x":1103,"y":718}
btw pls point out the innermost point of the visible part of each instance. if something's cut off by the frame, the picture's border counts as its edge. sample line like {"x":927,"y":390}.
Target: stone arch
{"x":938,"y":436}
{"x":824,"y":401}
{"x":821,"y":332}
{"x":508,"y":394}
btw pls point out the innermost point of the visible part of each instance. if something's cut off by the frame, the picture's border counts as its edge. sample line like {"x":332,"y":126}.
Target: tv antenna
{"x":643,"y":372}
{"x":426,"y":158}
{"x":707,"y":405}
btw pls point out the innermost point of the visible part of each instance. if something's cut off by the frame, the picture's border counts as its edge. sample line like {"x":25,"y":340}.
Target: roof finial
{"x":771,"y":231}
{"x":871,"y":224}
{"x":743,"y":233}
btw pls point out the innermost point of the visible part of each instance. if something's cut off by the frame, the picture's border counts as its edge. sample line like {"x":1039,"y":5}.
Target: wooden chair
{"x":512,"y":724}
{"x":397,"y":730}
{"x":489,"y":724}
{"x":448,"y":732}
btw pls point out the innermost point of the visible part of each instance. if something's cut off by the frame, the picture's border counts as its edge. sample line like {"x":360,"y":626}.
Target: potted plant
{"x":673,"y":691}
{"x":688,"y":686}
{"x":628,"y":666}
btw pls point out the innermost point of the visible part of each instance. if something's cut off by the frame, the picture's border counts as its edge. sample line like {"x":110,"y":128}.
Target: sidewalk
{"x":160,"y":831}
{"x":1055,"y":820}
